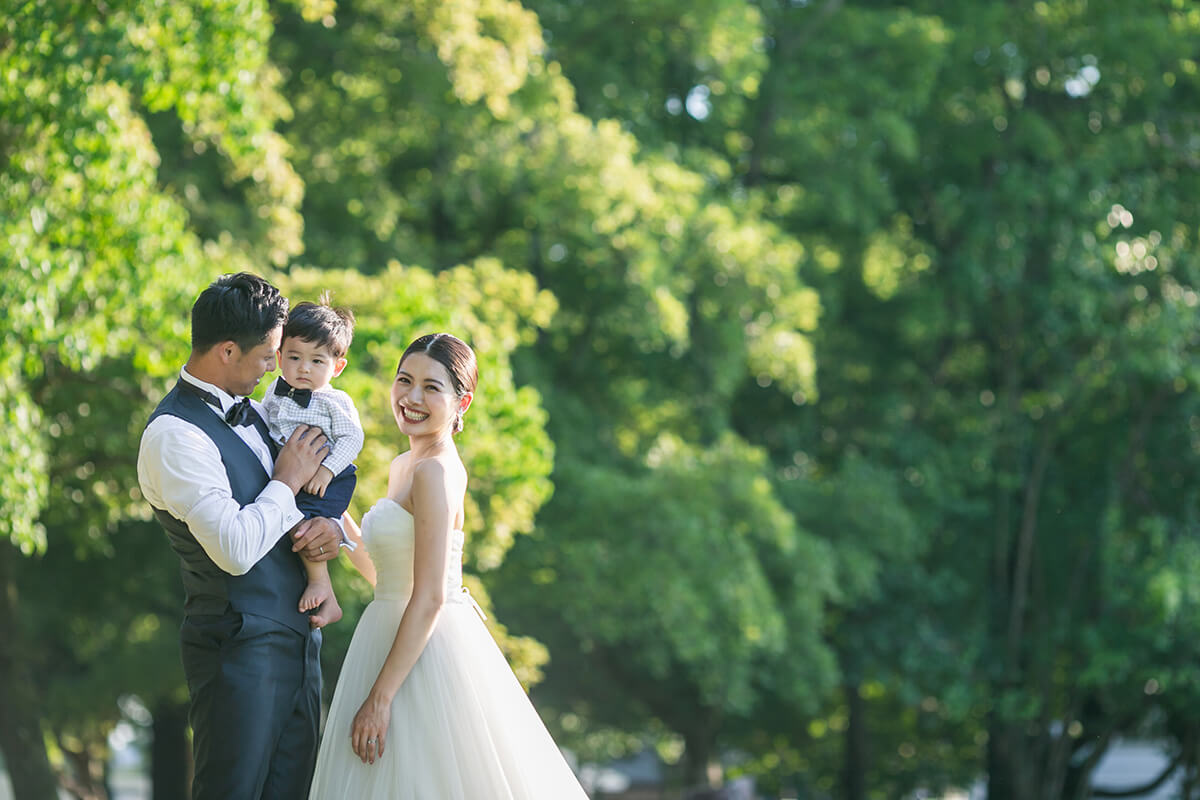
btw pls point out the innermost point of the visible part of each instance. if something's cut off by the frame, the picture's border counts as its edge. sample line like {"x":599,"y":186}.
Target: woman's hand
{"x":359,"y":556}
{"x":369,"y":730}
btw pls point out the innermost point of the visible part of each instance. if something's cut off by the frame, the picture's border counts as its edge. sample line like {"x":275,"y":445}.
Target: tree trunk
{"x":21,"y":731}
{"x":697,"y":753}
{"x":999,"y":767}
{"x":171,"y":753}
{"x":855,"y":776}
{"x":1012,"y":763}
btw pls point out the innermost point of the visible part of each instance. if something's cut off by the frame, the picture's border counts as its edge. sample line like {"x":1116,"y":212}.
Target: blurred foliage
{"x":107,"y":246}
{"x":98,"y":263}
{"x":670,"y":296}
{"x":837,"y":412}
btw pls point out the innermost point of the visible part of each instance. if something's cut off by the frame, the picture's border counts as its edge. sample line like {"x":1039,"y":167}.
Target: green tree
{"x":98,"y":256}
{"x":999,"y":217}
{"x":963,"y":546}
{"x":661,"y":284}
{"x":767,"y":103}
{"x":1068,"y":325}
{"x":1014,"y":343}
{"x":170,"y":139}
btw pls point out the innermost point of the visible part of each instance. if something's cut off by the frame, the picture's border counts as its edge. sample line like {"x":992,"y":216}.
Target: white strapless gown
{"x":462,"y":727}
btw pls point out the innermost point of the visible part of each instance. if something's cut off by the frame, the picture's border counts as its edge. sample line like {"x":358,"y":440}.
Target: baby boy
{"x":312,"y":352}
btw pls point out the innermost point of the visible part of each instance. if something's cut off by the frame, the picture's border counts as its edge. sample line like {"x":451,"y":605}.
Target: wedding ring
{"x":322,"y":550}
{"x":370,"y":741}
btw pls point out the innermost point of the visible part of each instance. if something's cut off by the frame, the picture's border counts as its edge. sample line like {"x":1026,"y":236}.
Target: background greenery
{"x":837,"y":419}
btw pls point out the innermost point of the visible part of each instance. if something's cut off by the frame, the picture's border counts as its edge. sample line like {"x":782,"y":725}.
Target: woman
{"x":426,"y":706}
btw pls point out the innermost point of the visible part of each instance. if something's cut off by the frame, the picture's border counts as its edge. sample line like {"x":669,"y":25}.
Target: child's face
{"x":308,"y":365}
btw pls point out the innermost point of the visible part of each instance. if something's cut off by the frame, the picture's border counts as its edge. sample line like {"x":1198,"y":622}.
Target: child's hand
{"x":319,"y":481}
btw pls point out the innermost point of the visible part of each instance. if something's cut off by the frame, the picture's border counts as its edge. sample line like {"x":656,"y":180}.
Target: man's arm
{"x":180,"y":472}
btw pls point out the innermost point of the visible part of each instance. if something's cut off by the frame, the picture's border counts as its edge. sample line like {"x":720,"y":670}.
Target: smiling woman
{"x":462,"y":725}
{"x":436,"y":378}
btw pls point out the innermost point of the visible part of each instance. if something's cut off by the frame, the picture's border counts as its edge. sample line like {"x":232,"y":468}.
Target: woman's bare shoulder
{"x":444,"y":469}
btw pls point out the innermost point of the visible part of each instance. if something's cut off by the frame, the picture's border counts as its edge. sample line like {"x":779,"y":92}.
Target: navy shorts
{"x":336,"y":499}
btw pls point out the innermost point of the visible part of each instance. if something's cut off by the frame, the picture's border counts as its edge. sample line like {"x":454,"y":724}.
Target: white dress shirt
{"x":180,"y":471}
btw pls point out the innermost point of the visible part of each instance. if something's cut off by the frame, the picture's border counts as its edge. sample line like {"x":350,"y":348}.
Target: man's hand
{"x":300,"y":457}
{"x":317,"y":539}
{"x":320,"y":481}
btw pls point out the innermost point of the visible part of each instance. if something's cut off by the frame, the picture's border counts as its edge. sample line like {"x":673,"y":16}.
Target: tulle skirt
{"x":462,"y":728}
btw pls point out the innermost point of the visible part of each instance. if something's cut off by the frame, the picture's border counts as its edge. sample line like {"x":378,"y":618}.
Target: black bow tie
{"x":302,"y":397}
{"x":239,"y":413}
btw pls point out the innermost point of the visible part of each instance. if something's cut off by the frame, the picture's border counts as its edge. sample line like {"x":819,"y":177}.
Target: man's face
{"x":248,"y":366}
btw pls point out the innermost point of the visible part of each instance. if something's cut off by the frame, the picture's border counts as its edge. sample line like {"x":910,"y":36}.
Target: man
{"x":227,"y":500}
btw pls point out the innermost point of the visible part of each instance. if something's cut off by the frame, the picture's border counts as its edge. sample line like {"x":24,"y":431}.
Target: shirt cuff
{"x":281,"y":494}
{"x":346,"y":543}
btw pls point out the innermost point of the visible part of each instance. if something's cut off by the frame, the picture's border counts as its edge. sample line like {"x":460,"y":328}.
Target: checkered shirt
{"x":331,"y":410}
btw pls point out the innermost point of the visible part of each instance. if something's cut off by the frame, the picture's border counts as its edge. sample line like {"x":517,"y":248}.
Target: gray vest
{"x":273,"y":586}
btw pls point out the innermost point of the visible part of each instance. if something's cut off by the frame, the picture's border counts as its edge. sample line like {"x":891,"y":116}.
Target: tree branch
{"x":1033,"y":491}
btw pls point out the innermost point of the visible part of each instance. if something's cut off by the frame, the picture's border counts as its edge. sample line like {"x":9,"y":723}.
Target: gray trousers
{"x":255,"y":687}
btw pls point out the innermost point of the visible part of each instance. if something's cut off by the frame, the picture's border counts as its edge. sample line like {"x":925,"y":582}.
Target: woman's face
{"x":423,"y":396}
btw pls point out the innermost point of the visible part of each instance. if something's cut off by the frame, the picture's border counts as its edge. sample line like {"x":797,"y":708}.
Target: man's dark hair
{"x":241,"y":307}
{"x":322,"y":324}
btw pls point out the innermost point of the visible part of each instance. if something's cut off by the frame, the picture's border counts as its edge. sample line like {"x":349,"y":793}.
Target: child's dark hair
{"x":323,"y":324}
{"x":241,"y":307}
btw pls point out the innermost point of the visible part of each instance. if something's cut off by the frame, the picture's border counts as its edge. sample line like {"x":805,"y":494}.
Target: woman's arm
{"x":433,"y":518}
{"x":359,"y":556}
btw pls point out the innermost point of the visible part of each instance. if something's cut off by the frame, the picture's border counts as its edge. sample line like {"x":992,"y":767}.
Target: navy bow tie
{"x":239,"y":413}
{"x":302,"y":397}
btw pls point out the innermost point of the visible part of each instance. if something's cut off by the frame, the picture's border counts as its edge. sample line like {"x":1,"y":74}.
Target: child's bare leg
{"x":319,"y":593}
